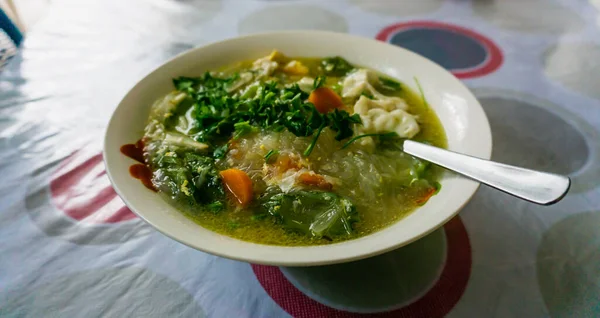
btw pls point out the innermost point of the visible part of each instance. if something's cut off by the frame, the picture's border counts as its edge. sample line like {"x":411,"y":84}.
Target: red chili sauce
{"x":140,"y":170}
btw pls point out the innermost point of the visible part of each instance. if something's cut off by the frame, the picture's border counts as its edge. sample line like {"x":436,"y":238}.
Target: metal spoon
{"x":535,"y":186}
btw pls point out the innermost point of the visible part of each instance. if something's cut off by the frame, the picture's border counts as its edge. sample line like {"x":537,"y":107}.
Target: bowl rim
{"x":471,"y":189}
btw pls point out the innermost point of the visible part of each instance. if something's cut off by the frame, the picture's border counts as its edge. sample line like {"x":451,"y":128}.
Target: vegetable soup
{"x":291,"y":151}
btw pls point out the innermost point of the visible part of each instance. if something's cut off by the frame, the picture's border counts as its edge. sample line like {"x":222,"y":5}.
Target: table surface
{"x":70,"y":248}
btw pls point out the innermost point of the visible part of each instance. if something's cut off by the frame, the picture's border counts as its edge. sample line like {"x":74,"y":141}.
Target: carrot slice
{"x":325,"y":99}
{"x":426,"y":197}
{"x":315,"y":180}
{"x":239,"y":185}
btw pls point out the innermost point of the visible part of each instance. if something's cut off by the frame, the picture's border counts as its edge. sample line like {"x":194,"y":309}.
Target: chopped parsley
{"x":389,"y":85}
{"x":243,"y":128}
{"x":271,"y":155}
{"x":319,"y":81}
{"x":219,"y":114}
{"x":422,"y":93}
{"x":336,"y":66}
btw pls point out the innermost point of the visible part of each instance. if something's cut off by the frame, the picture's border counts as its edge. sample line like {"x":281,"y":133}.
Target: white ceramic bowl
{"x":463,"y":119}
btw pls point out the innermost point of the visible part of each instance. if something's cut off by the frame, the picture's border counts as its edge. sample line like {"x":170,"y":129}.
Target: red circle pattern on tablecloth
{"x":437,"y":302}
{"x":490,"y":64}
{"x":80,"y":189}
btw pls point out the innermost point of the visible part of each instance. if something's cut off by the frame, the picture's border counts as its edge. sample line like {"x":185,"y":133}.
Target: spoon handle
{"x":535,"y":186}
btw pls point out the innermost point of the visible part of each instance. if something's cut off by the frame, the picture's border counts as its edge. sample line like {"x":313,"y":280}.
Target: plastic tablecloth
{"x":70,"y":248}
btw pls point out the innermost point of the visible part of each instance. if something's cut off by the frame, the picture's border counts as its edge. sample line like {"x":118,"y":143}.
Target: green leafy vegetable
{"x":389,"y":85}
{"x":232,"y":225}
{"x":205,"y":177}
{"x":336,"y":66}
{"x":316,"y":213}
{"x":313,"y":142}
{"x":185,"y":83}
{"x":421,"y":167}
{"x":221,"y":151}
{"x":183,"y":141}
{"x":259,"y":217}
{"x":243,"y":128}
{"x":338,"y":88}
{"x":189,"y":176}
{"x":341,"y":122}
{"x":271,"y":155}
{"x":216,"y":207}
{"x":367,"y":95}
{"x":319,"y":81}
{"x":219,"y":114}
{"x":437,"y":186}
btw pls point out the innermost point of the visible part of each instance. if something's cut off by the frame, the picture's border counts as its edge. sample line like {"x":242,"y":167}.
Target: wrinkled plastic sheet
{"x":70,"y":247}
